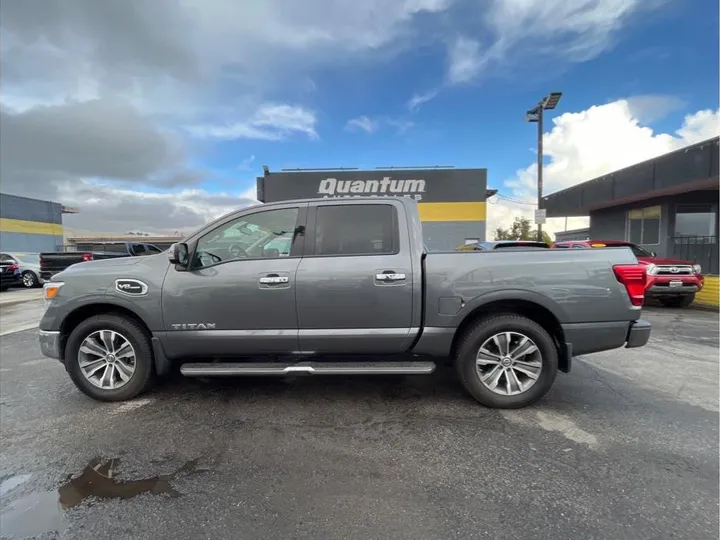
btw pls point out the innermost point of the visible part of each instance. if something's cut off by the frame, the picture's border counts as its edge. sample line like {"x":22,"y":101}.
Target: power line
{"x":516,"y":201}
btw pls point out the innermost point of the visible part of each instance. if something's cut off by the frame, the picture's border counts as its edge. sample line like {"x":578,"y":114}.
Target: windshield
{"x":638,"y":251}
{"x":30,"y":258}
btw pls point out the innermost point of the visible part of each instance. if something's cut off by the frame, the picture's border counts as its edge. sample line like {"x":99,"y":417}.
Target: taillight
{"x":633,"y":276}
{"x":13,"y":268}
{"x":87,"y":257}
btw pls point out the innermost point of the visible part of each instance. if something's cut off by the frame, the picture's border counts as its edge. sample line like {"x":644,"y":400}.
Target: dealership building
{"x":668,"y":205}
{"x":30,"y":225}
{"x":451,"y":202}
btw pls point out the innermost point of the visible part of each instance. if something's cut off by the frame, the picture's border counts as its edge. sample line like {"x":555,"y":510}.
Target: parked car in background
{"x":673,"y":282}
{"x":53,"y":262}
{"x":502,"y":244}
{"x":356,"y":294}
{"x":9,"y":275}
{"x":29,"y":264}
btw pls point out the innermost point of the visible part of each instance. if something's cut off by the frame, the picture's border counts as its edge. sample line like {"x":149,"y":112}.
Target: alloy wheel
{"x":107,"y":359}
{"x":508,"y":363}
{"x":28,"y":279}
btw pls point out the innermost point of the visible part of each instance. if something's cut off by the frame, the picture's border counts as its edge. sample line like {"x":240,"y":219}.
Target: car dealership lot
{"x":625,"y":446}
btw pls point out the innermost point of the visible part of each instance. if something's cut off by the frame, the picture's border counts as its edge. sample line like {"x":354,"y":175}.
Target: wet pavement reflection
{"x":42,"y":512}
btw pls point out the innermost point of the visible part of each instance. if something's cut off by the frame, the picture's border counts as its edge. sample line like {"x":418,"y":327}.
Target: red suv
{"x":673,"y":282}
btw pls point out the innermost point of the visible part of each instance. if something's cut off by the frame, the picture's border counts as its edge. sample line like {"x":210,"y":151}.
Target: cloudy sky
{"x":157,"y":116}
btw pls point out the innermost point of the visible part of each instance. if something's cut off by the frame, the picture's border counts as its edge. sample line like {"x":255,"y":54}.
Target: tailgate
{"x":57,"y":262}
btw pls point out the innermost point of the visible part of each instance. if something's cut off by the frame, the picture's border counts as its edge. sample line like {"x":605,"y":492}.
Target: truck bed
{"x":571,"y":282}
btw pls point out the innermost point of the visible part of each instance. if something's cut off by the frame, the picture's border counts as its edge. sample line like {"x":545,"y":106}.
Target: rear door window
{"x":362,"y":229}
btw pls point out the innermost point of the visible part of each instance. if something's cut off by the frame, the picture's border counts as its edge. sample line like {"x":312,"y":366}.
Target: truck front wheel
{"x":109,"y":358}
{"x":507,"y":361}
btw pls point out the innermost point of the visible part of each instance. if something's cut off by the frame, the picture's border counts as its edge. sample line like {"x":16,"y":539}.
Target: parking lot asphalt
{"x":625,"y":446}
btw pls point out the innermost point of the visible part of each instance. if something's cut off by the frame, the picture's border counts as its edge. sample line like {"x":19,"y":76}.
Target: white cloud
{"x":650,"y":108}
{"x":419,"y":99}
{"x":576,"y":31}
{"x":270,"y":122}
{"x":602,"y":139}
{"x":245,"y":163}
{"x":105,"y":208}
{"x":372,"y":125}
{"x":464,"y":60}
{"x":524,"y":32}
{"x":363,"y":123}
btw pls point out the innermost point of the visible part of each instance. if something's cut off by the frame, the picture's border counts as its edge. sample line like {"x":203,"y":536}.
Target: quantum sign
{"x":423,"y":185}
{"x":384,"y":187}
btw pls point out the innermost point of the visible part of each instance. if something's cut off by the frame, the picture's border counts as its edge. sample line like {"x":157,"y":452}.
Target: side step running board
{"x":230,"y":369}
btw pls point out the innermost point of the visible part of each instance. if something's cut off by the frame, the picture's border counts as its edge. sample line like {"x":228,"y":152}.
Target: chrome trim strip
{"x":355,"y":332}
{"x":306,"y":332}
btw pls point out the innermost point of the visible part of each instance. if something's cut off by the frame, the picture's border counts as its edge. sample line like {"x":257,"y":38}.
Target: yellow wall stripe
{"x":30,"y":227}
{"x":452,"y":211}
{"x":710,"y":293}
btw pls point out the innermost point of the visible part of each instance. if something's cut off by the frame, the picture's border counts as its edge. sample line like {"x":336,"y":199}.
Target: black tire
{"x":30,"y":280}
{"x":144,"y":376}
{"x":678,"y":301}
{"x":4,"y":289}
{"x":470,"y":343}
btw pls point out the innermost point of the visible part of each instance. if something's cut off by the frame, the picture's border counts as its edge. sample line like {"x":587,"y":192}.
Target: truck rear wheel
{"x":507,"y":361}
{"x":109,"y":358}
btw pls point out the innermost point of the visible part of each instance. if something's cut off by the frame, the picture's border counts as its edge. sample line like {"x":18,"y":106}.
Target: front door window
{"x":263,"y":235}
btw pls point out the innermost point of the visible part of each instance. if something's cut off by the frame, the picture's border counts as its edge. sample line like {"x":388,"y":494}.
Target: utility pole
{"x":536,"y":115}
{"x":540,"y":168}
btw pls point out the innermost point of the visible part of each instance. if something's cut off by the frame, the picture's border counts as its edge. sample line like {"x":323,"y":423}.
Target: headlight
{"x":697,"y":268}
{"x":651,"y":269}
{"x":51,"y":290}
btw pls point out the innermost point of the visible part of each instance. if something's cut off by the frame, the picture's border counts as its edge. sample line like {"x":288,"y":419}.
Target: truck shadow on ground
{"x":440,"y":385}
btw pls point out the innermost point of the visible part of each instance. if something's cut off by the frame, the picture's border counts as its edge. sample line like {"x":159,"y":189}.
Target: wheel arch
{"x":84,"y":312}
{"x":534,"y":311}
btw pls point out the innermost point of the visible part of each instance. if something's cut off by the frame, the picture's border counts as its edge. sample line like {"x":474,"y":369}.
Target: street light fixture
{"x":535,"y":114}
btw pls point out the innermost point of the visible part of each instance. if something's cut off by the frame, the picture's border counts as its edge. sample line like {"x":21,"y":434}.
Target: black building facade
{"x":668,"y":204}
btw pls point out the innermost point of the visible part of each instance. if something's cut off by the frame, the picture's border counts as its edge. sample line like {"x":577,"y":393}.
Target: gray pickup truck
{"x":339,"y":287}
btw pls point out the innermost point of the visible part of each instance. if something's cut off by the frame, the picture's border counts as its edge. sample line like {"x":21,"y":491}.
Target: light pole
{"x":536,"y":115}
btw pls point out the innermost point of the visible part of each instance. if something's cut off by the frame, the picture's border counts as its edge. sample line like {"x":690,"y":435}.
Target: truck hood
{"x":99,"y":267}
{"x":663,"y":261}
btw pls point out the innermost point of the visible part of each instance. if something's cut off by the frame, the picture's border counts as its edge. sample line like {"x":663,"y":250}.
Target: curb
{"x":23,"y":328}
{"x":19,"y":301}
{"x":704,"y":307}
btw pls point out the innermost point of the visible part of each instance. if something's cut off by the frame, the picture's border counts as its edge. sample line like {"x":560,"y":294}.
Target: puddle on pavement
{"x":42,"y":512}
{"x":7,"y":485}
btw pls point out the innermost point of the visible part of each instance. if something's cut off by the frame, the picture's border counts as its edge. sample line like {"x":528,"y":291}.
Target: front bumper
{"x":638,"y":334}
{"x":49,"y":343}
{"x":656,"y":291}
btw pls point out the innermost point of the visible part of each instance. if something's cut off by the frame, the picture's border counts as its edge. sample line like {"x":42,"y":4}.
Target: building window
{"x":644,"y":225}
{"x":695,"y":220}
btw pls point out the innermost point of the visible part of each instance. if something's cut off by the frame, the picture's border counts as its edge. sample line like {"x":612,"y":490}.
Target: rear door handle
{"x":274,"y":280}
{"x":390,"y":277}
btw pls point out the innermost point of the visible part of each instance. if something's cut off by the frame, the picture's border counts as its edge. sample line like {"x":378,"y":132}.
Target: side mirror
{"x":178,"y":254}
{"x":653,"y":254}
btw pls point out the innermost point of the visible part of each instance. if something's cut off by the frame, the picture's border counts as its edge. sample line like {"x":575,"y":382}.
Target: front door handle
{"x":390,"y":277}
{"x":274,"y":280}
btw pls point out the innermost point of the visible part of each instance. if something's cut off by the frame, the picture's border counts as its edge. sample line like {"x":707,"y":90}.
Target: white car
{"x":29,"y":264}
